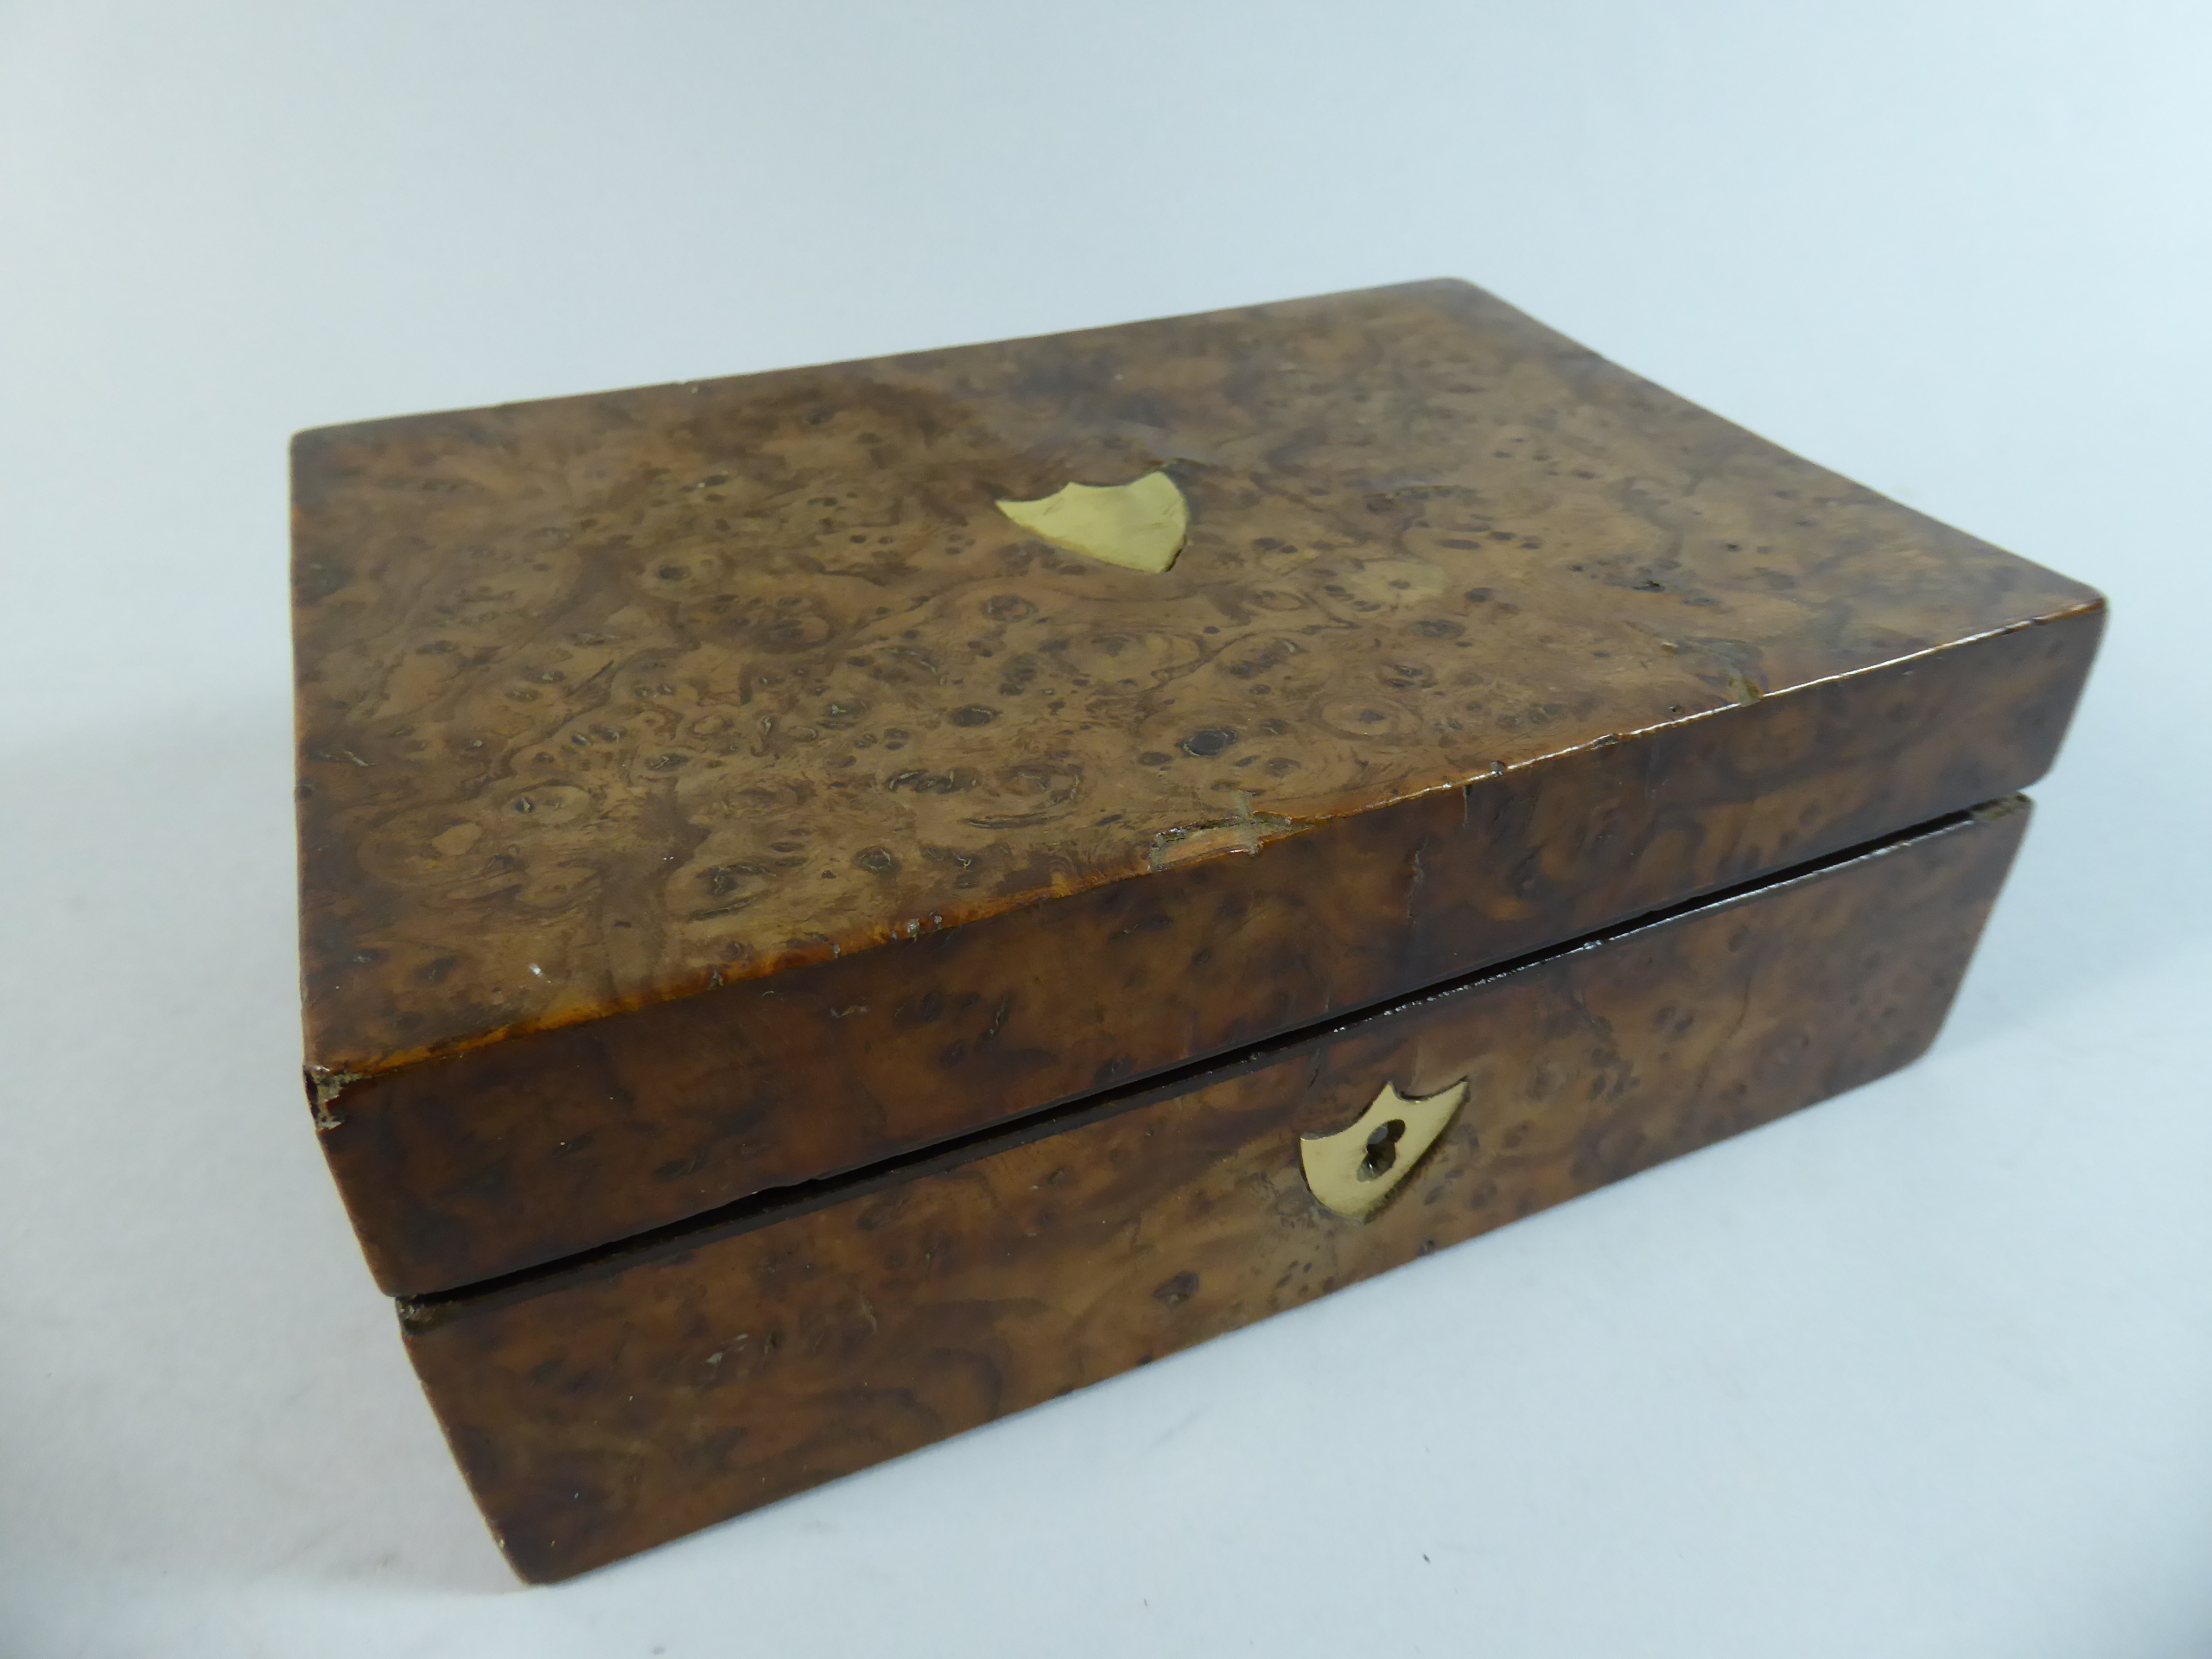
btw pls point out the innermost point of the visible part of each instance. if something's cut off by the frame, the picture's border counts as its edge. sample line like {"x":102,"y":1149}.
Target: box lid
{"x":710,"y":787}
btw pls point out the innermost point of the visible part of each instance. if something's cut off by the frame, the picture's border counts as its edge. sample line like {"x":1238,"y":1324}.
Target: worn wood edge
{"x":428,"y":1312}
{"x":308,"y":437}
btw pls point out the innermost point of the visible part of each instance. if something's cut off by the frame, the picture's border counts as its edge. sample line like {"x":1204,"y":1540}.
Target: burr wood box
{"x":838,"y":904}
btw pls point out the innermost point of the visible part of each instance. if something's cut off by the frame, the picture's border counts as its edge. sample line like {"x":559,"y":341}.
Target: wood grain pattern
{"x":675,"y":761}
{"x":623,"y":1401}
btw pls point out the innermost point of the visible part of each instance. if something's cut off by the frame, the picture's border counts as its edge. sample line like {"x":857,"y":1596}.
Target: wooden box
{"x":818,"y":934}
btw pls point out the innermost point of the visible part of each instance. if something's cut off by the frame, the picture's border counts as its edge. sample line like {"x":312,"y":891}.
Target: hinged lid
{"x":711,"y":787}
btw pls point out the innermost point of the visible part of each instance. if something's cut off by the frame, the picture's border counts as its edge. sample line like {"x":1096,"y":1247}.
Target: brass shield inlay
{"x":1138,"y":526}
{"x":1352,"y":1170}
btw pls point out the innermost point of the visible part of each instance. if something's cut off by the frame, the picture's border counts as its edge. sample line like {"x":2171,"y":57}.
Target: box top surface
{"x":607,"y":700}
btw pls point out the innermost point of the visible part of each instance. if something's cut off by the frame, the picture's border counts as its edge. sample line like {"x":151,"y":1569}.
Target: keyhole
{"x":1381,"y":1149}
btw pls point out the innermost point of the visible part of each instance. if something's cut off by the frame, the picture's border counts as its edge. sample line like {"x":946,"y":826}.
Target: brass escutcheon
{"x":1352,"y":1170}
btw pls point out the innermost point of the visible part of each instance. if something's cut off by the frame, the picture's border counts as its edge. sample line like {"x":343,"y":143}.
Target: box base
{"x":621,"y":1399}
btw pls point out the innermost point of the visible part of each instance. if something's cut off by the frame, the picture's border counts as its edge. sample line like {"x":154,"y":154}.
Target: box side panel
{"x":615,"y":1405}
{"x":462,"y":1169}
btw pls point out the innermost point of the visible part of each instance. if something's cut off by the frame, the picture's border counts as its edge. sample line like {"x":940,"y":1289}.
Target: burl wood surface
{"x":735,"y":711}
{"x":604,"y":1408}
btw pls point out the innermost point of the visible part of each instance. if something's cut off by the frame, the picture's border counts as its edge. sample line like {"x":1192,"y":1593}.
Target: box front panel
{"x":460,"y":1169}
{"x":626,"y":1401}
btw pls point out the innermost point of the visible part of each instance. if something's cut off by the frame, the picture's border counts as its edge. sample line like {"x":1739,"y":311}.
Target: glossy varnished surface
{"x":739,"y":712}
{"x":611,"y":1405}
{"x":601,"y":698}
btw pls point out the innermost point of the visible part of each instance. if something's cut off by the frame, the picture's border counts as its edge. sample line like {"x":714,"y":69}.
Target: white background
{"x":1927,"y":1371}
